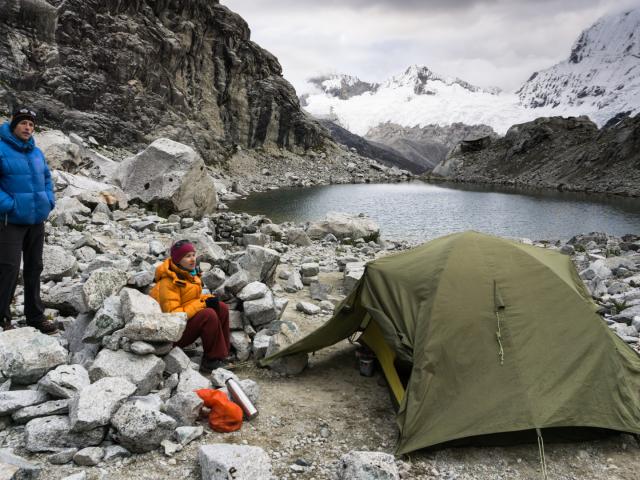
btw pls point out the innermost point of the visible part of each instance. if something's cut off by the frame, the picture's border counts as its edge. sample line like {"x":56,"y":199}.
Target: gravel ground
{"x":314,"y":418}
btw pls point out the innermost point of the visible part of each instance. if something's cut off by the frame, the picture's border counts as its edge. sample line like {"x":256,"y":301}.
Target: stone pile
{"x":113,"y":384}
{"x":610,"y":269}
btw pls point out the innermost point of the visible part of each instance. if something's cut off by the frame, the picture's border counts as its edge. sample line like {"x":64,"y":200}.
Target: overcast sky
{"x":485,"y":42}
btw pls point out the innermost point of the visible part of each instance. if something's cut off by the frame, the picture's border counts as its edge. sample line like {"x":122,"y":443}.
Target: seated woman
{"x":179,"y":289}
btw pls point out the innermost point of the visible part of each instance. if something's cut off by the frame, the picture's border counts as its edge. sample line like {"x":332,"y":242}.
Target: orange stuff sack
{"x":225,"y":415}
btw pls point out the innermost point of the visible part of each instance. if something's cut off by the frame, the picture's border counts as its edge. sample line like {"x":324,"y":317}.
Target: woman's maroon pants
{"x":212,"y":326}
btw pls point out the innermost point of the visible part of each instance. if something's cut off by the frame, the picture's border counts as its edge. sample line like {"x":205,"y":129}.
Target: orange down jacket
{"x":176,"y":290}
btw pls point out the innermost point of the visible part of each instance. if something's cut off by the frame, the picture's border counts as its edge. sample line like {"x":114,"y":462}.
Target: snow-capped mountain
{"x":342,"y":86}
{"x":600,"y":79}
{"x":417,"y":97}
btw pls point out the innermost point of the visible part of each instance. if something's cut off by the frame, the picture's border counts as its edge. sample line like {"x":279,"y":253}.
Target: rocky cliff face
{"x":370,"y":149}
{"x":564,"y":153}
{"x":429,"y":145}
{"x":129,"y":72}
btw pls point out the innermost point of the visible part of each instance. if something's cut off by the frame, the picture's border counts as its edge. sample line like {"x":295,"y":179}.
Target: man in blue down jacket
{"x":26,"y":198}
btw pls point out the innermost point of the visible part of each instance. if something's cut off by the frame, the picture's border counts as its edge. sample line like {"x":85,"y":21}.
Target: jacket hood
{"x":7,"y":136}
{"x":170,"y":270}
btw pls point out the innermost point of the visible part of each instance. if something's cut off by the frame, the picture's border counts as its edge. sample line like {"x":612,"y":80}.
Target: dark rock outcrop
{"x":376,"y":151}
{"x":129,"y":72}
{"x":426,"y":146}
{"x":555,"y":152}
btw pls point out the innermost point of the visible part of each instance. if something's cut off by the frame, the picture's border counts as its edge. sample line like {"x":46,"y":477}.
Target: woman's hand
{"x":212,"y":302}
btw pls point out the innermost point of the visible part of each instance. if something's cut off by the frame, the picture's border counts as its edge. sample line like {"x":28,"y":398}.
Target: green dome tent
{"x":502,"y":337}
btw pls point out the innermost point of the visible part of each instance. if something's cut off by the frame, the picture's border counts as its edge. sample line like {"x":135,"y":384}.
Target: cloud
{"x":489,"y":42}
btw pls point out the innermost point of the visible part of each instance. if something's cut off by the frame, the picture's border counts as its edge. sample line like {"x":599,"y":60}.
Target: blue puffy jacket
{"x":26,"y":189}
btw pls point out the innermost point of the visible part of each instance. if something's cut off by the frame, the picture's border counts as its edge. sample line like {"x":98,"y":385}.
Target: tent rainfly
{"x":503,"y":339}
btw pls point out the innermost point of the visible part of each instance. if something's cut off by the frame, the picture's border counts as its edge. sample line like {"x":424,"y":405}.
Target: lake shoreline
{"x":418,"y":211}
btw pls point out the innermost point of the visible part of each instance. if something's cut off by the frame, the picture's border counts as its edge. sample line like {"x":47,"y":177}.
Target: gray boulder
{"x":308,"y":308}
{"x":352,"y":274}
{"x":88,"y":190}
{"x":13,"y":467}
{"x":190,"y":380}
{"x":95,"y":404}
{"x":291,"y":364}
{"x":106,"y":320}
{"x":156,"y":327}
{"x":235,"y":320}
{"x":185,"y":434}
{"x":141,"y":429}
{"x":143,"y":371}
{"x":141,"y":348}
{"x":260,"y":311}
{"x":344,"y":225}
{"x":26,"y":354}
{"x":58,"y":263}
{"x":113,"y":452}
{"x":247,"y":462}
{"x":259,"y":239}
{"x":85,"y":254}
{"x":261,"y":343}
{"x":368,"y":466}
{"x":101,"y":284}
{"x":68,"y":298}
{"x":236,"y":282}
{"x":54,"y":407}
{"x":297,"y":236}
{"x":319,"y":291}
{"x":213,"y":278}
{"x":260,"y":264}
{"x":184,"y":408}
{"x":253,"y":291}
{"x":135,"y":303}
{"x":65,"y":381}
{"x":62,"y":456}
{"x":294,"y":283}
{"x":50,"y":434}
{"x":169,"y":175}
{"x":89,"y":457}
{"x":176,"y":361}
{"x":208,"y":250}
{"x":60,"y":151}
{"x":310,"y":269}
{"x":241,"y":342}
{"x":14,"y":400}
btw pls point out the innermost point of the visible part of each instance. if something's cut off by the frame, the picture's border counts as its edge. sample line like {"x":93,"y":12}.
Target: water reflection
{"x":420,"y":211}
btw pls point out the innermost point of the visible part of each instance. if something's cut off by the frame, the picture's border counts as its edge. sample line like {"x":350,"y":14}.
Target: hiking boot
{"x":207,"y":365}
{"x":45,"y":326}
{"x":6,"y":325}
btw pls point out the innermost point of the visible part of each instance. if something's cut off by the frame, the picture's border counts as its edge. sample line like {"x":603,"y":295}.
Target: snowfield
{"x":600,"y":79}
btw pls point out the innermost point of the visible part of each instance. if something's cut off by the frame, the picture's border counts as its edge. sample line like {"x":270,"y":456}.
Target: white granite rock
{"x":95,"y":404}
{"x":26,"y":354}
{"x":141,"y":429}
{"x":156,"y":327}
{"x":368,"y":466}
{"x":143,"y":371}
{"x":247,"y":462}
{"x":49,"y":434}
{"x":65,"y":381}
{"x":135,"y":302}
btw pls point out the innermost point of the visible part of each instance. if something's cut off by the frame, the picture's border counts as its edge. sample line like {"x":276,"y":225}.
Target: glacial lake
{"x":420,"y":211}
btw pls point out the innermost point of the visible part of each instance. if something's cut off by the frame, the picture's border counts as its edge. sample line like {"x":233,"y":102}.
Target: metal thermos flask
{"x":238,"y":396}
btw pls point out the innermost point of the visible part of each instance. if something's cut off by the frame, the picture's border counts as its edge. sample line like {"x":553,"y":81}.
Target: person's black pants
{"x":27,"y":240}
